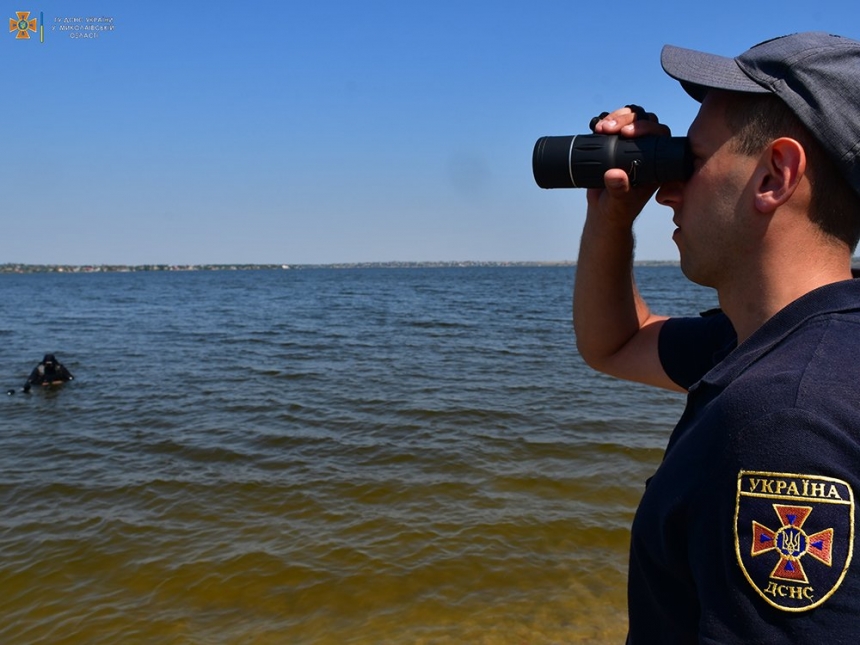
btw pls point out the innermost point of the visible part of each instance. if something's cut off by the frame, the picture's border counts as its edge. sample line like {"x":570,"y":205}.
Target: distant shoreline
{"x":129,"y":268}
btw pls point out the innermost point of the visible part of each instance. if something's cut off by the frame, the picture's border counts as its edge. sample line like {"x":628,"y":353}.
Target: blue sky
{"x":298,"y":132}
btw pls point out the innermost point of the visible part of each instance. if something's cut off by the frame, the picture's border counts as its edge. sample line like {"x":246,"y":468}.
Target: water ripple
{"x":318,"y":457}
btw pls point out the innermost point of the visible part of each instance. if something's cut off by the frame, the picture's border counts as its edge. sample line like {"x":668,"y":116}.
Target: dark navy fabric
{"x":786,"y":403}
{"x":690,"y":347}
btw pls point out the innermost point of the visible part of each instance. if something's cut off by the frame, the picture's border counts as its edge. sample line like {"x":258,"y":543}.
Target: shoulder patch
{"x":794,"y":536}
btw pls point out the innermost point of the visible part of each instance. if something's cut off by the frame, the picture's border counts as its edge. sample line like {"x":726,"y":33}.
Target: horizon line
{"x":25,"y":267}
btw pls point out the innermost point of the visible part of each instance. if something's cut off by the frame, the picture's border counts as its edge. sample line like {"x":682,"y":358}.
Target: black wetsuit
{"x":49,"y":372}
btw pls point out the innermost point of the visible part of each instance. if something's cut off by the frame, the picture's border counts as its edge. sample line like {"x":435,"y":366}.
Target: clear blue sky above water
{"x":297,"y":132}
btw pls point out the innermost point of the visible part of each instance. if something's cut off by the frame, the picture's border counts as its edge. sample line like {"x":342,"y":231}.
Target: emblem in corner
{"x":794,"y":536}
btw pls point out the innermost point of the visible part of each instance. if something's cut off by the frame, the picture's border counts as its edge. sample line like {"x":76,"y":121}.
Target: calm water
{"x":318,"y":456}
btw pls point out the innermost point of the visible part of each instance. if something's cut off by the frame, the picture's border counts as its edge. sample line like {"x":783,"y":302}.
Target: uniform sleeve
{"x":773,"y":545}
{"x":690,"y":347}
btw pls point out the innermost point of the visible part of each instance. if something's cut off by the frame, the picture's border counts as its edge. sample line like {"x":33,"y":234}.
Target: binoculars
{"x":579,"y":161}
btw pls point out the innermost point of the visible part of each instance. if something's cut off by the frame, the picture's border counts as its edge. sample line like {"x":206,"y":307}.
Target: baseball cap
{"x":816,"y":74}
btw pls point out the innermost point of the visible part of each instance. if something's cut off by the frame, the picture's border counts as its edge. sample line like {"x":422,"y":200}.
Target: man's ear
{"x":781,"y":167}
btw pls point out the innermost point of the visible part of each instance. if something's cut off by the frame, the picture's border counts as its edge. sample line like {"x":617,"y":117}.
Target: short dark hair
{"x":758,"y":119}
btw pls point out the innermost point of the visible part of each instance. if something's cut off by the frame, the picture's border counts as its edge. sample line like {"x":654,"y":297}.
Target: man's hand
{"x":619,"y":202}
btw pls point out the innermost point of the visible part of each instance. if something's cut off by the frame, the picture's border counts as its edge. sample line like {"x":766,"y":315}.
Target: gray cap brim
{"x":816,"y":75}
{"x":698,"y":72}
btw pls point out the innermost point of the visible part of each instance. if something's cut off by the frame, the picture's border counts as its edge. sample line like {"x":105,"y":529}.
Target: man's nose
{"x":669,"y":193}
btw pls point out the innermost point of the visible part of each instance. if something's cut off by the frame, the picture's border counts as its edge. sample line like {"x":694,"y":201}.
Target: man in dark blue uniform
{"x":746,"y":532}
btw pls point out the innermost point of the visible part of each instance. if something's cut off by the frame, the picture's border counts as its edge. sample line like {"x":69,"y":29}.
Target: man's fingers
{"x":616,"y":181}
{"x":629,"y":121}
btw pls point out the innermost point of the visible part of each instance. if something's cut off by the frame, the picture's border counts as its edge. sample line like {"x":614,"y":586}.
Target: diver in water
{"x":49,"y":372}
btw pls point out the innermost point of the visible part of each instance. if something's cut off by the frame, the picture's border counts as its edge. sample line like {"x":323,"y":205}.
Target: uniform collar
{"x":832,"y":298}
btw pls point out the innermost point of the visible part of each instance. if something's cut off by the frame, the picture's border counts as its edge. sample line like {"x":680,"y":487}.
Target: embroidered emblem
{"x":794,"y":536}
